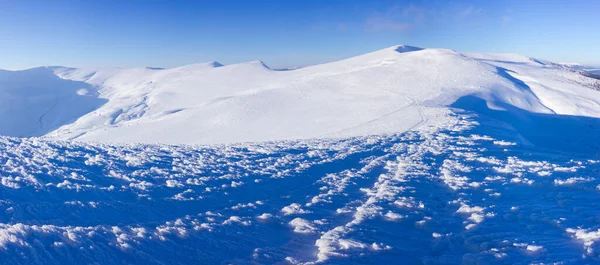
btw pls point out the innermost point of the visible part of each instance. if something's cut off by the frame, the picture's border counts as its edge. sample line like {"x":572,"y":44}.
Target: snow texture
{"x":436,"y":195}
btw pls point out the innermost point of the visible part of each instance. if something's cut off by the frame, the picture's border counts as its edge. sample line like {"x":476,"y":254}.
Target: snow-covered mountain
{"x":416,"y":156}
{"x":591,"y":71}
{"x":387,"y":91}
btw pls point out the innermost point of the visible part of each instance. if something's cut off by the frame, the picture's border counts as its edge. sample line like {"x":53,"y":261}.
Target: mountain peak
{"x":258,"y":63}
{"x":214,"y":64}
{"x":406,"y":48}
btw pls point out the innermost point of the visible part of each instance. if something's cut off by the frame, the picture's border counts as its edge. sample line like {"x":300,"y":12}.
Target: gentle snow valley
{"x":400,"y":156}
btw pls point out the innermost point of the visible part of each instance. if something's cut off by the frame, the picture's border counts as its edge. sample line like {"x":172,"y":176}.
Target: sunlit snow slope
{"x":387,"y":91}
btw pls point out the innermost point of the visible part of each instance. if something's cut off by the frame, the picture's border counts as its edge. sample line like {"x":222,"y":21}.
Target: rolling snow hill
{"x":387,"y":91}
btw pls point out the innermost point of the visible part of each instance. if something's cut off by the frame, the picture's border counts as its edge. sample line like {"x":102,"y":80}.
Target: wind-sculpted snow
{"x":470,"y":192}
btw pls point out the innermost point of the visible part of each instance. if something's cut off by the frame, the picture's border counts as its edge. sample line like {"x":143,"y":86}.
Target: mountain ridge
{"x":391,"y":90}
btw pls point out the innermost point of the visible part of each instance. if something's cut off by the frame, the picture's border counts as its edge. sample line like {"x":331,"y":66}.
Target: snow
{"x":392,"y":189}
{"x":393,"y":90}
{"x":293,"y":208}
{"x":419,"y":155}
{"x":533,"y":248}
{"x":35,"y":102}
{"x":302,"y":226}
{"x":391,"y":186}
{"x":572,"y":180}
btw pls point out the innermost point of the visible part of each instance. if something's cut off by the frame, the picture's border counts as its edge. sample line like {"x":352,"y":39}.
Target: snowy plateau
{"x":400,"y":156}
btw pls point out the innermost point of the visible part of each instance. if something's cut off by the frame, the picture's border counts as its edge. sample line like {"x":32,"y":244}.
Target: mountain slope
{"x":35,"y":102}
{"x":387,"y":91}
{"x":249,"y":102}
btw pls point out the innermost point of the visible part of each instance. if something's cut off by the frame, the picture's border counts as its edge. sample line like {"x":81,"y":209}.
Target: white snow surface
{"x":437,"y":195}
{"x":418,"y":156}
{"x":387,"y":91}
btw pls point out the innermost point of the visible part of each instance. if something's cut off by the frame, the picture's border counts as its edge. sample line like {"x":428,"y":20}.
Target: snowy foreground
{"x":472,"y":193}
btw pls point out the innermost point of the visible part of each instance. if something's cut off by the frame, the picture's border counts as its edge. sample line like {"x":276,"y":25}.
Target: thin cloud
{"x":396,"y":19}
{"x":468,"y":11}
{"x":330,"y":27}
{"x":505,"y":20}
{"x":342,"y":27}
{"x":406,"y":18}
{"x":385,"y":24}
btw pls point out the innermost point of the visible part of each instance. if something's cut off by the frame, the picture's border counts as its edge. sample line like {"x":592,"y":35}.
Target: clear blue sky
{"x":286,"y":33}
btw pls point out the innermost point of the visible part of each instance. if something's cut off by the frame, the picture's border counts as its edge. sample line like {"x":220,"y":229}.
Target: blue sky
{"x":285,"y":33}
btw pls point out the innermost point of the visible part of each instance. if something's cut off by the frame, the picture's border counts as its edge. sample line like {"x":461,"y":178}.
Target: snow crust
{"x":440,"y":193}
